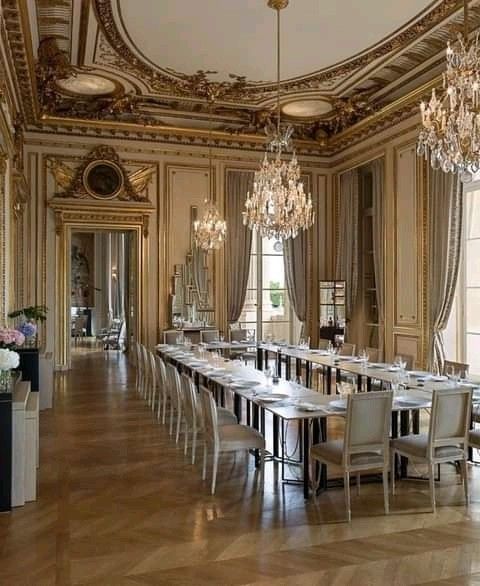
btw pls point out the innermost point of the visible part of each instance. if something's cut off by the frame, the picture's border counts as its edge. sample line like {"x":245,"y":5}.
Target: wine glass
{"x":268,"y":372}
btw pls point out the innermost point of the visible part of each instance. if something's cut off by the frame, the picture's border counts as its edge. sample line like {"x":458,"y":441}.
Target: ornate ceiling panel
{"x":147,"y":68}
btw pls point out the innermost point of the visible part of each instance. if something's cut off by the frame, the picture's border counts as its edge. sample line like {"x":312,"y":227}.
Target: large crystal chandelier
{"x":210,"y":232}
{"x":450,"y":137}
{"x":278,"y":207}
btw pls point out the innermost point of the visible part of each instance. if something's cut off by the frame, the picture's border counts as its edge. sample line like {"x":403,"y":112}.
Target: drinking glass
{"x":268,"y":372}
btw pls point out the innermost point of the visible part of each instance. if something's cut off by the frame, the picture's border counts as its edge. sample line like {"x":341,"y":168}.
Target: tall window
{"x":267,"y":307}
{"x":462,"y":336}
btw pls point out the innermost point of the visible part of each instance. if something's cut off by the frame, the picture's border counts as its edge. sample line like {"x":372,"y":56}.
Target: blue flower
{"x":27,"y":328}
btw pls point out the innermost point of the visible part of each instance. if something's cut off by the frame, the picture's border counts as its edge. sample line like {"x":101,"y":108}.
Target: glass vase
{"x":5,"y":380}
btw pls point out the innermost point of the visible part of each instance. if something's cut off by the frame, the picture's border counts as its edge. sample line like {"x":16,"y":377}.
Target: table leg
{"x":308,"y":374}
{"x":329,"y":380}
{"x":275,"y":435}
{"x":404,"y":430}
{"x":306,"y":458}
{"x":298,"y":368}
{"x":369,"y":384}
{"x":260,"y":358}
{"x":278,"y":364}
{"x":288,"y":369}
{"x":237,"y":407}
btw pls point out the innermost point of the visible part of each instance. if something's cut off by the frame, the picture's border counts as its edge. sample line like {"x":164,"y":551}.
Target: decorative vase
{"x":5,"y":379}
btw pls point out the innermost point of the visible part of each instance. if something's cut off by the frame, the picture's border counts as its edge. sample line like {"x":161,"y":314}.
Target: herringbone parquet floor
{"x":119,"y":505}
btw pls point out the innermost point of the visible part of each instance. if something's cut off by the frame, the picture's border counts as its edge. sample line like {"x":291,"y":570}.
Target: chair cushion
{"x":333,"y":452}
{"x":474,"y":438}
{"x":415,"y":445}
{"x":226,"y":417}
{"x":240,"y":437}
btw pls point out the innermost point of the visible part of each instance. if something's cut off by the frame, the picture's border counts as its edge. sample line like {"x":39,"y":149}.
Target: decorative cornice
{"x":181,"y":84}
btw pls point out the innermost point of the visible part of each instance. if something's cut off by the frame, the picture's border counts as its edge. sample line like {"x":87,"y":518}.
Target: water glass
{"x":268,"y":372}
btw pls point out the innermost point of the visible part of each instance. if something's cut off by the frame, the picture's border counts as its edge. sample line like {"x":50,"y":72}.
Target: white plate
{"x":377,"y":365}
{"x":310,"y":407}
{"x":393,"y":368}
{"x":271,"y":397}
{"x":338,"y":404}
{"x":419,"y":373}
{"x":409,"y":401}
{"x":439,"y":379}
{"x":470,"y":385}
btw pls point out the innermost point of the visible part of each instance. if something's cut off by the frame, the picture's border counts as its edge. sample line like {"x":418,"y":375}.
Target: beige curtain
{"x":239,"y":241}
{"x":377,"y":170}
{"x":445,"y":241}
{"x":346,"y":265}
{"x":294,"y":260}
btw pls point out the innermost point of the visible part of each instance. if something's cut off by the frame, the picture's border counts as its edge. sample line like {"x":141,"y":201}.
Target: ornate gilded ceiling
{"x":145,"y":68}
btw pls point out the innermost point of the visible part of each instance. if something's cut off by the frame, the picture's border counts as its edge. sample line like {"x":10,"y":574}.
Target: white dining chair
{"x":194,"y":417}
{"x":209,"y":336}
{"x":153,"y":381}
{"x":365,"y":446}
{"x":176,"y":400}
{"x":145,"y":371}
{"x":171,"y":336}
{"x":163,"y":396}
{"x":447,"y":437}
{"x":226,"y":438}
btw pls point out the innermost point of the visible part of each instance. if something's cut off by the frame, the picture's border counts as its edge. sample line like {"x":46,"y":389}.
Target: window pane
{"x":272,"y":246}
{"x":472,"y":310}
{"x":277,"y":330}
{"x":473,"y":214}
{"x":275,"y":305}
{"x":473,"y":353}
{"x":472,"y":266}
{"x":254,"y":243}
{"x":273,"y":273}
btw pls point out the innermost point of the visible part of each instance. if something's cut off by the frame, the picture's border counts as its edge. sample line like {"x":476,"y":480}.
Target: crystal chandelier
{"x":278,"y":207}
{"x":450,"y":137}
{"x":210,"y":232}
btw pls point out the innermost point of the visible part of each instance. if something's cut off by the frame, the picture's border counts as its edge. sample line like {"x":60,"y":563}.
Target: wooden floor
{"x":119,"y":505}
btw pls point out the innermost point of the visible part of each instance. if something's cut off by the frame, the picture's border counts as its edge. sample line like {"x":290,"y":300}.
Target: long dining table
{"x":289,"y":401}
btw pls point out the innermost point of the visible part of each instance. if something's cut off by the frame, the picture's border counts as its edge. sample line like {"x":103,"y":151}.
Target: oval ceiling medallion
{"x":87,"y":84}
{"x":307,"y":108}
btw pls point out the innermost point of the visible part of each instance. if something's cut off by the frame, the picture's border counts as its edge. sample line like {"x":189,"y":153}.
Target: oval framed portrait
{"x":103,"y":179}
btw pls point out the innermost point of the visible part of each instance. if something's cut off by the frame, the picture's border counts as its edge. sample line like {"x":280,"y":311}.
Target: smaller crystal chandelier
{"x":278,"y":207}
{"x":450,"y":137}
{"x":210,"y":232}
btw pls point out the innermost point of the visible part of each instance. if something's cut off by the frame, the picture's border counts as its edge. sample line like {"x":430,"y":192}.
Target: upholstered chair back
{"x":367,"y":427}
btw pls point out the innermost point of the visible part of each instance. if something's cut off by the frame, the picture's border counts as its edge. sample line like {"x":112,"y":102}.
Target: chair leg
{"x":432,"y":486}
{"x":204,"y":471}
{"x":385,"y":491}
{"x":215,"y":468}
{"x":316,"y":482}
{"x":194,"y":445}
{"x":346,"y":481}
{"x":463,"y":468}
{"x":262,"y":468}
{"x":179,"y":423}
{"x":392,"y":472}
{"x":160,"y":404}
{"x":185,"y":447}
{"x":171,"y":420}
{"x":358,"y":484}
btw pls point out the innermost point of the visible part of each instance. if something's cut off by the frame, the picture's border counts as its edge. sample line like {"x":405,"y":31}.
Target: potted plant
{"x":276,"y":296}
{"x":29,"y":316}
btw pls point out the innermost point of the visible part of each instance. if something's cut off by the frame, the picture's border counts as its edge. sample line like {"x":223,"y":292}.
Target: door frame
{"x":71,"y":216}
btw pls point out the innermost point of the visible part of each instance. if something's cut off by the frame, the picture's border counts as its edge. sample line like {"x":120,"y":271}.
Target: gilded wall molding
{"x":75,"y":184}
{"x":4,"y":242}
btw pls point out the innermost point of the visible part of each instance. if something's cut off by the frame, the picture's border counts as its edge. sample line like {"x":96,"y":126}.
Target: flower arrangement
{"x":10,"y":338}
{"x":27,"y":328}
{"x":8,"y":360}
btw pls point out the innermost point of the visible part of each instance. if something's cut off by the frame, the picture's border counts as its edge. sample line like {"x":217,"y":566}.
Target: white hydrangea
{"x":8,"y":359}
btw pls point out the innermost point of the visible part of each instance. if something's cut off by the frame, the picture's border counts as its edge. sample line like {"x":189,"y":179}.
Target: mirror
{"x":192,"y":287}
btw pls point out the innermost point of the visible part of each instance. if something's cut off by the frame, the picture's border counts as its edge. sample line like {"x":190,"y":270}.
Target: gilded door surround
{"x":73,"y":215}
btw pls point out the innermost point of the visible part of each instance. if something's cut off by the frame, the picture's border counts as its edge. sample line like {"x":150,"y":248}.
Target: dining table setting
{"x":259,"y":391}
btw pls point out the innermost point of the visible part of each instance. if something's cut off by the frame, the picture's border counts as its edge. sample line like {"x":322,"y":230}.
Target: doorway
{"x":103,"y":284}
